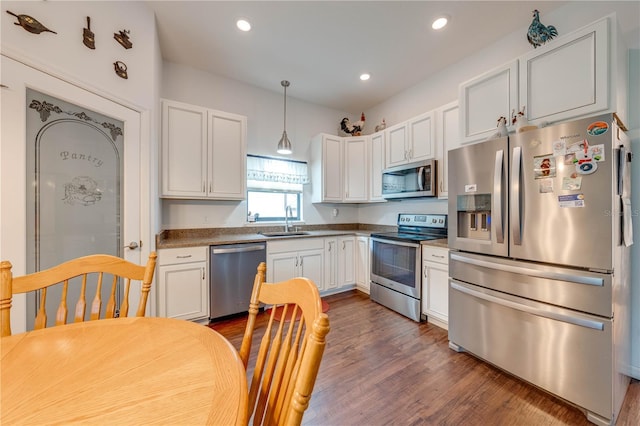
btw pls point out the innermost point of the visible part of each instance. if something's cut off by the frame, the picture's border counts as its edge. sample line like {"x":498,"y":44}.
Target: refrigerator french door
{"x":539,"y":266}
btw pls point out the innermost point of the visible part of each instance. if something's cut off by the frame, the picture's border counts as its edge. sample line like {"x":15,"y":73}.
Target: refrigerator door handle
{"x":556,"y":316}
{"x":531,"y":272}
{"x":515,"y":196}
{"x":420,"y":178}
{"x":497,"y":196}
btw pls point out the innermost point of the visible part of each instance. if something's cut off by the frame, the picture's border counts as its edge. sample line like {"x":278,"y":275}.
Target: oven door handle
{"x":395,"y":242}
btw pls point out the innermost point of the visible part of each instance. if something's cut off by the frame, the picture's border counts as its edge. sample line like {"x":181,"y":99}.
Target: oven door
{"x":396,"y":265}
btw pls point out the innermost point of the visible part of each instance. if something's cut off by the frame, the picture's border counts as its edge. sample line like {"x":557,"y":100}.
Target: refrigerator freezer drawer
{"x":571,"y":288}
{"x":566,"y":353}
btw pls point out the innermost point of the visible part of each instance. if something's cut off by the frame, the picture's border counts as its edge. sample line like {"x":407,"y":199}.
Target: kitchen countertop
{"x":440,"y":243}
{"x":219,"y":236}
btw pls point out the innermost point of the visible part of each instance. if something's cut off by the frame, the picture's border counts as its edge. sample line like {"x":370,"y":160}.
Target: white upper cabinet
{"x":447,"y":137}
{"x":327,"y":168}
{"x":410,"y":141}
{"x":396,"y":145}
{"x":422,"y":137}
{"x":203,"y":153}
{"x":485,"y":98}
{"x":184,"y":150}
{"x":376,"y":162}
{"x":567,"y":77}
{"x":356,"y":170}
{"x":227,"y":156}
{"x":346,"y":169}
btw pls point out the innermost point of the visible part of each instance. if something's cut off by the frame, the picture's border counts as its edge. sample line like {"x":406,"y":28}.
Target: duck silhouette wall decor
{"x":538,"y":34}
{"x":30,"y":24}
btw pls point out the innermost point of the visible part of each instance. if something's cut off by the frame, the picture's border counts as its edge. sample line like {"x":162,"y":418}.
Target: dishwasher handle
{"x":239,"y":249}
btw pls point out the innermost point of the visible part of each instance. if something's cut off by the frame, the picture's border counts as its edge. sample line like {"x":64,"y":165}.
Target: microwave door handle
{"x":497,"y":196}
{"x":516,"y":204}
{"x":421,"y":178}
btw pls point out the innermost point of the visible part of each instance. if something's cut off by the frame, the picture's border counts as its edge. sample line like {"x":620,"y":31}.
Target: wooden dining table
{"x":138,"y":370}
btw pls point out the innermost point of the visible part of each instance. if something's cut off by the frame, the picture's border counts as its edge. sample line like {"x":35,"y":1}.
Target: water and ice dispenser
{"x":474,"y":216}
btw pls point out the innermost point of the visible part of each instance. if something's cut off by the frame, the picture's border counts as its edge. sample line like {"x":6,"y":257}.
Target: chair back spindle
{"x":77,"y":272}
{"x":290,"y":350}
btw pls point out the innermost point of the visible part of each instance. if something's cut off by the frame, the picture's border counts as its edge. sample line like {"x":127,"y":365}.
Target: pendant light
{"x":284,"y":146}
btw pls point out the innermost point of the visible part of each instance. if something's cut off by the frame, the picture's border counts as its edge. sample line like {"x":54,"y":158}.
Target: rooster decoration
{"x":354,"y":129}
{"x":539,"y":34}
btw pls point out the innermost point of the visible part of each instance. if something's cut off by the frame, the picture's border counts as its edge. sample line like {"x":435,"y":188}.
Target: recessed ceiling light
{"x":365,"y":76}
{"x":243,"y":25}
{"x":440,"y":23}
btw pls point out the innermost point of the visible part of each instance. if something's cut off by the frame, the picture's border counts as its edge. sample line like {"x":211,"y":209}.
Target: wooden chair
{"x":290,"y":351}
{"x":94,"y":265}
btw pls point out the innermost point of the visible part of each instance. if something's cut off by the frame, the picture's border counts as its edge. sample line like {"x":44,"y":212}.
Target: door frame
{"x":13,"y":240}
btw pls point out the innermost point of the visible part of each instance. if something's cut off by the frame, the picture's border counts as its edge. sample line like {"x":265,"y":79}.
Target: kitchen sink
{"x":284,"y":233}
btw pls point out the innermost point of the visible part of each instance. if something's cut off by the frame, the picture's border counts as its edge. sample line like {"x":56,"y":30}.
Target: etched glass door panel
{"x":74,"y":189}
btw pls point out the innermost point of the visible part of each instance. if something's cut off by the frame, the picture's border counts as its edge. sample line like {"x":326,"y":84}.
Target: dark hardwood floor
{"x":380,"y":368}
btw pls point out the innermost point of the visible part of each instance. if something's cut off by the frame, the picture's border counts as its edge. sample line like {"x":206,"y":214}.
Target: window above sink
{"x":273,"y":186}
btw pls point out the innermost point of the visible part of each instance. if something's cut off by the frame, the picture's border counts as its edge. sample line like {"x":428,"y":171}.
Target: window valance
{"x":267,"y":169}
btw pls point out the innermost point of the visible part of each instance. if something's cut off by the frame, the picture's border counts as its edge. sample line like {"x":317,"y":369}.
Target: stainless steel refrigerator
{"x":539,"y":232}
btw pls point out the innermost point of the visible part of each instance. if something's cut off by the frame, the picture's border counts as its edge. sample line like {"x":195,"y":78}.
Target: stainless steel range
{"x":396,"y":259}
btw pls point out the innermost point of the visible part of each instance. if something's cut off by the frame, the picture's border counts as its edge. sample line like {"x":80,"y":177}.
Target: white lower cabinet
{"x":339,"y":262}
{"x":362,"y":263}
{"x":300,"y":257}
{"x":328,"y":262}
{"x":183,"y":285}
{"x":435,"y":285}
{"x":346,"y":261}
{"x":331,"y":263}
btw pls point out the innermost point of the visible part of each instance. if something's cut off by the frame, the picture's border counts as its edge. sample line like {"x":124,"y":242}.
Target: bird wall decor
{"x":354,"y":129}
{"x":30,"y":24}
{"x":538,"y":34}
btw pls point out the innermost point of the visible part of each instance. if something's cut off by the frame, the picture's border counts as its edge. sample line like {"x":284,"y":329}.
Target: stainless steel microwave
{"x":410,"y":180}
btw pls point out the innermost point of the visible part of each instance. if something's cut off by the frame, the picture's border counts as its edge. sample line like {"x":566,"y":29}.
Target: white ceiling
{"x":322,"y":47}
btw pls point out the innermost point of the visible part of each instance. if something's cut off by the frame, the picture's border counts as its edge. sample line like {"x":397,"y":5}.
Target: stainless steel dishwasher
{"x":232,"y":270}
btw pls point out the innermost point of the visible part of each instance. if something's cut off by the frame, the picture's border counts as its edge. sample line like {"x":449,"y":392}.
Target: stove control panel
{"x":423,"y":220}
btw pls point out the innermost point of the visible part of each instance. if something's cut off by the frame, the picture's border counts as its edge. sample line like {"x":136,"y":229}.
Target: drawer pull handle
{"x":596,"y":325}
{"x":183,"y":257}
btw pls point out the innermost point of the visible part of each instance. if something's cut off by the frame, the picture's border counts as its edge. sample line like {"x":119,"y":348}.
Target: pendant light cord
{"x":285,"y":84}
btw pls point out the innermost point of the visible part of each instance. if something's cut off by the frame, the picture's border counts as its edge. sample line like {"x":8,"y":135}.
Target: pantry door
{"x":70,"y":176}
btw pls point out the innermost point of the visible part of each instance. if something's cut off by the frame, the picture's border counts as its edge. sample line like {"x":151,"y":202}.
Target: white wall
{"x":264,"y":110}
{"x":64,"y":54}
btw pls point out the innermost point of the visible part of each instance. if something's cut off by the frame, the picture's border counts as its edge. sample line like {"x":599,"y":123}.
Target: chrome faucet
{"x":287,"y":212}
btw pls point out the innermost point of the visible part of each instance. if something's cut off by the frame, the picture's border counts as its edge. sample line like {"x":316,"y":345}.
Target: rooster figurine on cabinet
{"x":354,"y":129}
{"x":539,"y":34}
{"x":501,"y":129}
